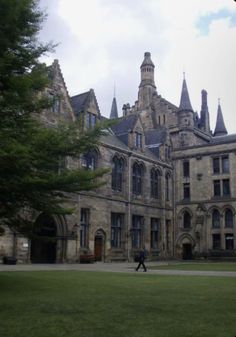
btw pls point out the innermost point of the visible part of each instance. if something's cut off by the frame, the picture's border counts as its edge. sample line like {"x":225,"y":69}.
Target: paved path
{"x":124,"y":267}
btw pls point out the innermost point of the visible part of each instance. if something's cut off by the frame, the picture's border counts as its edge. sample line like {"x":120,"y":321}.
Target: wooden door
{"x":98,"y":248}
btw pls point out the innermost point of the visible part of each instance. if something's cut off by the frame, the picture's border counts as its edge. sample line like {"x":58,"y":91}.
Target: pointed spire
{"x":114,"y":110}
{"x":220,"y":129}
{"x":185,"y":103}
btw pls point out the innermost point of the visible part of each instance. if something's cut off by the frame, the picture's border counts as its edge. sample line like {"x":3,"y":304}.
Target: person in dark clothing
{"x":142,"y":256}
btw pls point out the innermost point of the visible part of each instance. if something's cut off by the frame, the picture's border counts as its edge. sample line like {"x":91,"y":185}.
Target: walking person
{"x":141,"y":258}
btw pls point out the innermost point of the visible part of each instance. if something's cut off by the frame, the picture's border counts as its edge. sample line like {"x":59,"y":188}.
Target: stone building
{"x":171,"y":187}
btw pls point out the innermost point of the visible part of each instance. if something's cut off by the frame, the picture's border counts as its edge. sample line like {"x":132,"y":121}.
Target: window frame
{"x":137,"y":229}
{"x":155,"y":182}
{"x":117,"y":174}
{"x":137,"y":179}
{"x":154,"y":233}
{"x":117,"y":223}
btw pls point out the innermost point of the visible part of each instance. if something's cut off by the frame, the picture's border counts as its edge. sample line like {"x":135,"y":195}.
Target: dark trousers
{"x":141,"y":263}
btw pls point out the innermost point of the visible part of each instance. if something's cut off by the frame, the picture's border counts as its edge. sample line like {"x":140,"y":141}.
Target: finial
{"x":218,"y":101}
{"x":184,"y":75}
{"x":114,"y":89}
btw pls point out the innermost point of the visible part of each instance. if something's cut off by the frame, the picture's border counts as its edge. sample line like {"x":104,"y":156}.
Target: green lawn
{"x":96,"y":304}
{"x":214,"y":266}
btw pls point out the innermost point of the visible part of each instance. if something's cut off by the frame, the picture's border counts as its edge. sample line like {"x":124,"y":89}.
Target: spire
{"x":114,"y":111}
{"x":185,"y":103}
{"x":220,"y":129}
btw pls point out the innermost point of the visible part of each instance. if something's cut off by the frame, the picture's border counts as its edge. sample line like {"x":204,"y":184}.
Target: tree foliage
{"x":32,"y":175}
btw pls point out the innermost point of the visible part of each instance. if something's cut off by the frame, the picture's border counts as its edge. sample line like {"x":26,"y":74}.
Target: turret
{"x":220,"y":129}
{"x":147,"y":85}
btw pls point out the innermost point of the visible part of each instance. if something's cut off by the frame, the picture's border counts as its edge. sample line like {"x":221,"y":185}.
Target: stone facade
{"x":171,"y":187}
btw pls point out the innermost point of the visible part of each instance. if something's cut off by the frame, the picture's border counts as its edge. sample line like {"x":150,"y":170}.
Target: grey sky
{"x":102,"y":42}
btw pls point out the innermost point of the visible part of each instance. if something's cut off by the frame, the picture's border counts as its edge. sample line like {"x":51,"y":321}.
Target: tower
{"x":147,"y":85}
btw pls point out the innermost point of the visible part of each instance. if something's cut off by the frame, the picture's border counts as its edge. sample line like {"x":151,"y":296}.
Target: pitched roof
{"x":78,"y":102}
{"x":124,"y":124}
{"x":220,"y":128}
{"x":224,"y":139}
{"x":185,"y":103}
{"x":155,"y":136}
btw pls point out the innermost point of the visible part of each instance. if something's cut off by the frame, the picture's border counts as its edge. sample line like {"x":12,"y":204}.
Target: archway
{"x":186,"y":246}
{"x":44,"y":243}
{"x":187,"y":251}
{"x":99,"y":245}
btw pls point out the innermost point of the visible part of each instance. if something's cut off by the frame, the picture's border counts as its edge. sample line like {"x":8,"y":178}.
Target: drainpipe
{"x":128,"y":234}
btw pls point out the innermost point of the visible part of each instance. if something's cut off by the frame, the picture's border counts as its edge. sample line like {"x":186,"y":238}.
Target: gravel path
{"x":113,"y":267}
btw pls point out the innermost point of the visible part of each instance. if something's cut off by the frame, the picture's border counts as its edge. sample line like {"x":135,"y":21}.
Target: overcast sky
{"x":102,"y":44}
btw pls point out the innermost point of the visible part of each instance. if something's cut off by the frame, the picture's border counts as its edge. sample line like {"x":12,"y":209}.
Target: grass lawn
{"x":96,"y":304}
{"x":214,"y":266}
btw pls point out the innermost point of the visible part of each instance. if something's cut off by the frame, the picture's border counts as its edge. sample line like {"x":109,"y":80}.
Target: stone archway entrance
{"x":187,"y":251}
{"x":185,"y":246}
{"x":99,"y":245}
{"x":44,"y":244}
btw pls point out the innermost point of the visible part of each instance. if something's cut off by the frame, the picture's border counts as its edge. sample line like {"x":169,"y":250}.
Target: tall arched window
{"x":215,"y":219}
{"x":186,"y":220}
{"x":137,"y":178}
{"x":117,"y":174}
{"x":154,"y":183}
{"x":229,"y":218}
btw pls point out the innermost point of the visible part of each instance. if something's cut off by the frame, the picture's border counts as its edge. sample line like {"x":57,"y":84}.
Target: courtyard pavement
{"x":115,"y":267}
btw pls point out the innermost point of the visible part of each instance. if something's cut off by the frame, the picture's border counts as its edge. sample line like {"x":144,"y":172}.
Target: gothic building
{"x":171,"y":187}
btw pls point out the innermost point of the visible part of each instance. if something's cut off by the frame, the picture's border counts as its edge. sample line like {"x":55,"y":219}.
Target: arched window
{"x":229,"y":218}
{"x":186,"y":220}
{"x":89,"y":160}
{"x":154,"y":183}
{"x":215,"y":219}
{"x":117,"y":174}
{"x":137,"y":179}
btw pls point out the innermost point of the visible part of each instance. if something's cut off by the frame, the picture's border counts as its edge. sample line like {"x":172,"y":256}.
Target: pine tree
{"x":32,"y":177}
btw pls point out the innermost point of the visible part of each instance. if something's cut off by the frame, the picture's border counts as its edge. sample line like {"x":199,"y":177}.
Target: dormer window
{"x":138,"y":140}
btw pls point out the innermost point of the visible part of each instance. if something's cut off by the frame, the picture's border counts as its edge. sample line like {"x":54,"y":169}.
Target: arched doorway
{"x":187,"y":251}
{"x":44,"y":242}
{"x":99,"y":244}
{"x":185,"y":246}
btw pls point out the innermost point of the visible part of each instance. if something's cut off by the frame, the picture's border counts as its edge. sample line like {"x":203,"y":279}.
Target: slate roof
{"x":78,"y":102}
{"x":185,"y":103}
{"x":220,"y":128}
{"x":223,"y":139}
{"x":155,"y":136}
{"x":124,"y":124}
